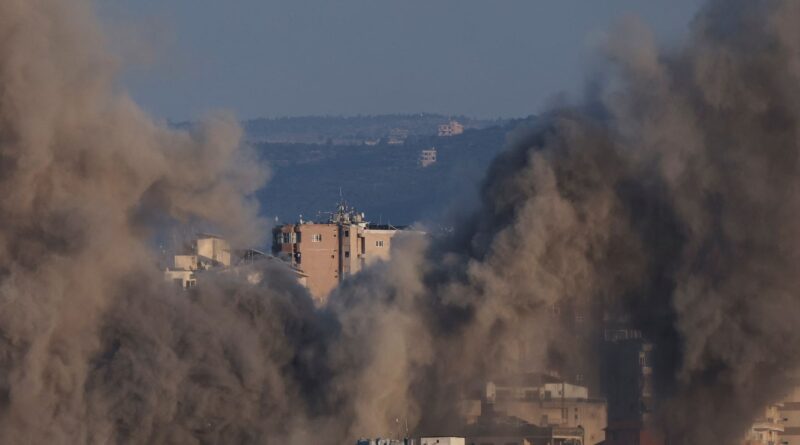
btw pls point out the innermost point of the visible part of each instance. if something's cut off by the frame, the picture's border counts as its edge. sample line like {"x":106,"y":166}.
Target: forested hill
{"x":352,"y":129}
{"x":386,"y":181}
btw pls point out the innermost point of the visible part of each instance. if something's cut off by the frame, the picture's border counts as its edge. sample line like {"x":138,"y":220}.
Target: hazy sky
{"x":300,"y":57}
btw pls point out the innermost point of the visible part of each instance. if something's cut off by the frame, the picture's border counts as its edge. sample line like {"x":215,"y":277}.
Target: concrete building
{"x":496,"y":428}
{"x":545,"y":401}
{"x":427,"y":157}
{"x":441,"y":441}
{"x":767,"y":429}
{"x":451,"y":128}
{"x":380,"y":441}
{"x":397,"y":136}
{"x":790,"y":417}
{"x":213,"y":249}
{"x":327,"y":253}
{"x":210,"y":252}
{"x":628,"y":381}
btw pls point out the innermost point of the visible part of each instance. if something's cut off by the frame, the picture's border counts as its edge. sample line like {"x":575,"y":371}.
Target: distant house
{"x":451,"y":128}
{"x":427,"y":157}
{"x":397,"y":136}
{"x":327,"y":252}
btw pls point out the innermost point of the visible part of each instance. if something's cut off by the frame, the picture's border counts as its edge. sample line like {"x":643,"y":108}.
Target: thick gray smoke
{"x":669,"y":197}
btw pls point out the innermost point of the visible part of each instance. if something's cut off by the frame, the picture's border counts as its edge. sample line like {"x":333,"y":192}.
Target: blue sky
{"x":343,"y":57}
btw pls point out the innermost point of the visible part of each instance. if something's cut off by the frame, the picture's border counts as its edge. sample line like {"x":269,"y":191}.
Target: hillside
{"x":385,"y":180}
{"x":354,"y":130}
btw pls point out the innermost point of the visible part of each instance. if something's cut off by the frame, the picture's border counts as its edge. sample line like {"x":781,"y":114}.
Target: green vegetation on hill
{"x":385,"y":180}
{"x":351,"y":130}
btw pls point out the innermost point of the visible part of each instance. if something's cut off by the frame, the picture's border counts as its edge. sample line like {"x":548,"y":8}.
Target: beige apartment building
{"x":767,"y":429}
{"x":427,"y":157}
{"x":326,"y":253}
{"x":545,"y":401}
{"x":790,"y":418}
{"x":207,"y":251}
{"x":452,"y":128}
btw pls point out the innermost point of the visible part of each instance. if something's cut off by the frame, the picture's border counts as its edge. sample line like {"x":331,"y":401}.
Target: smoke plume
{"x":669,"y":197}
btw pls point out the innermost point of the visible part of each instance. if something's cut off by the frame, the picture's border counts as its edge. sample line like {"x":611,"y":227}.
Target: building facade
{"x":494,"y":427}
{"x":427,"y":157}
{"x":206,"y":252}
{"x":545,"y":401}
{"x":767,"y":429}
{"x":451,"y":128}
{"x":628,"y":381}
{"x":327,"y":253}
{"x":790,"y":417}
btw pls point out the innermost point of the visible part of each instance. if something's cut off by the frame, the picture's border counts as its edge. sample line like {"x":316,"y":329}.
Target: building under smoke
{"x":670,"y":191}
{"x":328,"y":252}
{"x":543,"y":400}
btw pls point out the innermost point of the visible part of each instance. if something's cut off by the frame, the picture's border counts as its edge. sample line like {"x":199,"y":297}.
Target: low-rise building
{"x":441,"y":441}
{"x":628,"y":379}
{"x":427,"y":157}
{"x":543,"y":400}
{"x":211,"y":252}
{"x":380,"y":441}
{"x":496,"y":428}
{"x":207,"y":251}
{"x":451,"y":128}
{"x":767,"y":429}
{"x":397,"y":136}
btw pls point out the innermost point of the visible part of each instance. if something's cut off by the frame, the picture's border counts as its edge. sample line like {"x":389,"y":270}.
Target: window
{"x":346,"y":233}
{"x":316,"y":238}
{"x":379,"y":243}
{"x":347,"y":254}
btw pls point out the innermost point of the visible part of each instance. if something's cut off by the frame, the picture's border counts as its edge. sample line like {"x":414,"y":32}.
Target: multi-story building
{"x":206,"y":252}
{"x":441,"y":441}
{"x":628,"y":379}
{"x":545,"y":401}
{"x":327,"y":253}
{"x":494,"y":427}
{"x":382,"y":441}
{"x":427,"y":157}
{"x":767,"y":429}
{"x":211,"y":252}
{"x":451,"y":128}
{"x":790,"y":417}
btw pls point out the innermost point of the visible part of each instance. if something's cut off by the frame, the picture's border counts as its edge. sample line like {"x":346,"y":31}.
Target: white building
{"x":451,"y":128}
{"x":215,"y":249}
{"x":441,"y":441}
{"x":427,"y":157}
{"x":767,"y":429}
{"x":209,"y":251}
